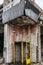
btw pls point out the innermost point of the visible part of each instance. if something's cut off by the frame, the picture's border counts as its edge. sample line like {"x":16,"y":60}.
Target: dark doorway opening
{"x":21,"y":52}
{"x":18,"y":51}
{"x":1,"y":44}
{"x":42,"y":43}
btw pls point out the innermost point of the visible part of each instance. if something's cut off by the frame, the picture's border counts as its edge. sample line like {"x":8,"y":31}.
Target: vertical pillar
{"x":39,"y":44}
{"x":33,"y":41}
{"x":22,"y":54}
{"x":7,"y":44}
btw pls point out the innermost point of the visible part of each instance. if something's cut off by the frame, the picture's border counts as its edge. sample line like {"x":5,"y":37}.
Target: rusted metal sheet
{"x":21,"y":34}
{"x":18,"y":34}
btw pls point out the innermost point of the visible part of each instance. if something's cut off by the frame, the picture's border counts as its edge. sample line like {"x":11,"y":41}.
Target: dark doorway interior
{"x":18,"y":51}
{"x":42,"y":47}
{"x":1,"y":44}
{"x":42,"y":43}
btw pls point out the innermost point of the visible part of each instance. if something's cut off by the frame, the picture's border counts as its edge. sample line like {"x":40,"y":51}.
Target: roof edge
{"x":35,"y":5}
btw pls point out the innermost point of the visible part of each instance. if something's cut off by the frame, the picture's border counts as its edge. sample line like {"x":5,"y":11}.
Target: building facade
{"x":21,"y":31}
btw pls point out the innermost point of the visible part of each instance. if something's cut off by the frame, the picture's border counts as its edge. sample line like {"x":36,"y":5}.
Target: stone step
{"x":22,"y":64}
{"x":36,"y":64}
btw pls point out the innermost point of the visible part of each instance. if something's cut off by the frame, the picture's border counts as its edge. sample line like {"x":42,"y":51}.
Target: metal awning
{"x":19,"y":10}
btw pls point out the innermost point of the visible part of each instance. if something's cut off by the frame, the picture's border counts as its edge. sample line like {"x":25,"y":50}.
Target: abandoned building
{"x":22,"y":32}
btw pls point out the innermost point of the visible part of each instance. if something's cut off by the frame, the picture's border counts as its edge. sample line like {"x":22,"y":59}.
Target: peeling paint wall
{"x":19,"y":34}
{"x":34,"y":43}
{"x":28,"y":33}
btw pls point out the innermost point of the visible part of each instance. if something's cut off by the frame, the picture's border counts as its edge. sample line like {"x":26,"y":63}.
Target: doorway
{"x":1,"y":44}
{"x":42,"y":43}
{"x":22,"y":50}
{"x":18,"y":51}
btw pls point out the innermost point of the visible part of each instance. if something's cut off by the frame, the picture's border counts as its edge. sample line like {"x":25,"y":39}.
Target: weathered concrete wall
{"x":7,"y":44}
{"x":19,"y":34}
{"x":34,"y":42}
{"x":39,"y":43}
{"x":28,"y":33}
